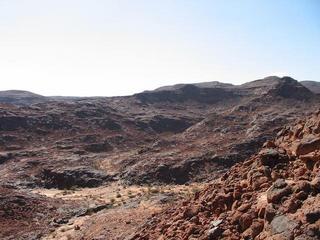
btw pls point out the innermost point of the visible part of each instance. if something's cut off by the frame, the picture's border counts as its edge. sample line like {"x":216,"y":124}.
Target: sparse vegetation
{"x":118,"y":195}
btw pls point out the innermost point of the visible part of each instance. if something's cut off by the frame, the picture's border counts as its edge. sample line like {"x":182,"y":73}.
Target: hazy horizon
{"x":23,"y":90}
{"x":115,"y":48}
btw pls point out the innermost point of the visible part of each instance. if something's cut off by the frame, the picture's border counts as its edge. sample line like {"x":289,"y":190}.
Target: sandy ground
{"x":130,"y":207}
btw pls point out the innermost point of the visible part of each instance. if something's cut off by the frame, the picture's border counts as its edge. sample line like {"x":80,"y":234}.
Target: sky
{"x":121,"y":47}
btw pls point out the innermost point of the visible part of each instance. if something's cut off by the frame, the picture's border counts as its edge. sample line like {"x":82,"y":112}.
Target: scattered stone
{"x":257,"y":227}
{"x":245,"y":221}
{"x":270,"y":212}
{"x":277,"y":191}
{"x":309,"y":144}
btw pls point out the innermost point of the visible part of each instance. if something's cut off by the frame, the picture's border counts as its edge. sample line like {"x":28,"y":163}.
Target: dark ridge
{"x":312,"y":86}
{"x":187,"y":92}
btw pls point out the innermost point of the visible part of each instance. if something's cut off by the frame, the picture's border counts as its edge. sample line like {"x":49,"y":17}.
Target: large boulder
{"x":271,"y":157}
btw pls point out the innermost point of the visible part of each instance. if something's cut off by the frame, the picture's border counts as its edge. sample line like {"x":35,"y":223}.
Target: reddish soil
{"x":275,"y":194}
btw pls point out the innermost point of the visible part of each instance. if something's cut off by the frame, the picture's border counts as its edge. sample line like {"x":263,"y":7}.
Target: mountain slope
{"x":275,"y":194}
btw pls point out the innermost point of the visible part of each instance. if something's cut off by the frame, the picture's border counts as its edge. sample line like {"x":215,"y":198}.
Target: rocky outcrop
{"x":73,"y":177}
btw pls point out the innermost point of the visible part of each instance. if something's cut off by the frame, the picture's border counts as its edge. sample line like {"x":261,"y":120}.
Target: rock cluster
{"x":275,"y":194}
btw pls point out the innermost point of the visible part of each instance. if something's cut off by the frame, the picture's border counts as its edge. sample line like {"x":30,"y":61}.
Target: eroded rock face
{"x":272,"y":195}
{"x":73,"y":177}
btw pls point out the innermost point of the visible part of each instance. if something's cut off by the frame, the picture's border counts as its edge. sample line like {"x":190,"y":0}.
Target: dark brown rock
{"x":270,"y":212}
{"x":271,"y":157}
{"x":245,"y":221}
{"x":308,"y":145}
{"x":278,"y":190}
{"x":257,"y":227}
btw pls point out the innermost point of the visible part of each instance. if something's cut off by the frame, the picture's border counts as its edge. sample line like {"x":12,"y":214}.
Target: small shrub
{"x":154,"y":190}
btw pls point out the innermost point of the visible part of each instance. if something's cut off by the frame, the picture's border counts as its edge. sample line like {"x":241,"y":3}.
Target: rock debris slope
{"x":275,"y":194}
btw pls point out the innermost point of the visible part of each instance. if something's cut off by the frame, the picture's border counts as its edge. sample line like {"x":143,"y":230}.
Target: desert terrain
{"x":189,"y":161}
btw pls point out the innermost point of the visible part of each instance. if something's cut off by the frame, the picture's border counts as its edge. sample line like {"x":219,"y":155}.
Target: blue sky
{"x":119,"y":47}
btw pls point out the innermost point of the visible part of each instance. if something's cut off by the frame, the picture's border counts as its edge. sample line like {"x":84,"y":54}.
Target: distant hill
{"x":312,"y":86}
{"x":19,"y":97}
{"x":213,"y":92}
{"x":214,"y":84}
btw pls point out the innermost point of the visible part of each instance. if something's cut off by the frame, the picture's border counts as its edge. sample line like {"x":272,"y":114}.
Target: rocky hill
{"x":92,"y":158}
{"x":274,"y":194}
